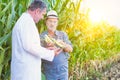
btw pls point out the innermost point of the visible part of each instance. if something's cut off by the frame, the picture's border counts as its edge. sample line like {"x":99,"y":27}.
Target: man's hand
{"x":61,"y":42}
{"x":67,"y":47}
{"x":51,"y":48}
{"x":49,"y":44}
{"x":57,"y":51}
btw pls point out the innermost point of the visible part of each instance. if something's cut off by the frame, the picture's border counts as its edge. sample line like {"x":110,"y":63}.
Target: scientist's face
{"x":39,"y":14}
{"x":52,"y":24}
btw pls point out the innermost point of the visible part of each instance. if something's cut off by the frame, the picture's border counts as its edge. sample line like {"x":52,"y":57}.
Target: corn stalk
{"x":93,"y":44}
{"x":10,"y":10}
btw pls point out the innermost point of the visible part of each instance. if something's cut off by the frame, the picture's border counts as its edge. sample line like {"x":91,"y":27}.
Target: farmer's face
{"x":52,"y":24}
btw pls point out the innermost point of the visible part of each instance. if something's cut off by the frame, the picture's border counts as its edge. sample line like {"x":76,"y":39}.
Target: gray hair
{"x":37,"y":4}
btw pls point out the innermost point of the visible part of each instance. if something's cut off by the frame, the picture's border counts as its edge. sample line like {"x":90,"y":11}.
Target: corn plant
{"x":10,"y":10}
{"x":95,"y":45}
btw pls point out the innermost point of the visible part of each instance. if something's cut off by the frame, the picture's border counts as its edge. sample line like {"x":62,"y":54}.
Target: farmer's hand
{"x":57,"y":51}
{"x":61,"y":42}
{"x":67,"y":47}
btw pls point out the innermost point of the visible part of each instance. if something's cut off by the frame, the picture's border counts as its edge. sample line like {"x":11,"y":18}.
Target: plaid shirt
{"x":63,"y":56}
{"x":58,"y":68}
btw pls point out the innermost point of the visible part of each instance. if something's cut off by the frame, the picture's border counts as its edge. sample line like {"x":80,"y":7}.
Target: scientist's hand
{"x":51,"y":48}
{"x":49,"y":44}
{"x":57,"y":51}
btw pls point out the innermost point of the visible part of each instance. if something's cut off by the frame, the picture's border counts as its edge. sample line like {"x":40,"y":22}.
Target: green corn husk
{"x":52,"y":40}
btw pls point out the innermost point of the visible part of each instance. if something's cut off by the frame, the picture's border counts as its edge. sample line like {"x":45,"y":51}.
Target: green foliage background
{"x":95,"y":45}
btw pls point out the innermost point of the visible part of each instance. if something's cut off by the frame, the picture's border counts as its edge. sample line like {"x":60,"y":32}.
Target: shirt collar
{"x":56,"y":32}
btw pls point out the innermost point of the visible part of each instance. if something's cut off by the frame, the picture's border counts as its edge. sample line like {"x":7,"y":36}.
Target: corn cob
{"x":57,"y":43}
{"x":47,"y":39}
{"x":60,"y":45}
{"x":52,"y":40}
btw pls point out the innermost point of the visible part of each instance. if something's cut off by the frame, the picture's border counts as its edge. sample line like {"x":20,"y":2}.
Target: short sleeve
{"x":66,"y":39}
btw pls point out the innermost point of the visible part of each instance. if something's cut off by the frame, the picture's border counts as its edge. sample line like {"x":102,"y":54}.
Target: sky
{"x":109,"y":10}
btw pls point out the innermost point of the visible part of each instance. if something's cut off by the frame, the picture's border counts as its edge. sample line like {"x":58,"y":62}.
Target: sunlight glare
{"x":96,"y":16}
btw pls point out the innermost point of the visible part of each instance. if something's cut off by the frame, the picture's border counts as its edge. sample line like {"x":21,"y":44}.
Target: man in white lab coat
{"x":26,"y":49}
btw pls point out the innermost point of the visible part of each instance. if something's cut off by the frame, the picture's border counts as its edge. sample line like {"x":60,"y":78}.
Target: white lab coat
{"x":26,"y":50}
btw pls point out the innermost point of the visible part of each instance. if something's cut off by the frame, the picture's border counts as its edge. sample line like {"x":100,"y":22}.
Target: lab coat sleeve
{"x":31,"y":42}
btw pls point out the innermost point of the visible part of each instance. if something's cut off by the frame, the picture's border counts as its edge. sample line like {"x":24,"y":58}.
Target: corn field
{"x":95,"y":45}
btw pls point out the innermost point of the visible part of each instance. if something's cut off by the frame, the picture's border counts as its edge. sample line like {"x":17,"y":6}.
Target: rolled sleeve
{"x":66,"y":39}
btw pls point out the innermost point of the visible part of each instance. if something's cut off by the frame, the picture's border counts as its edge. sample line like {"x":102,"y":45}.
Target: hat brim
{"x":52,"y":17}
